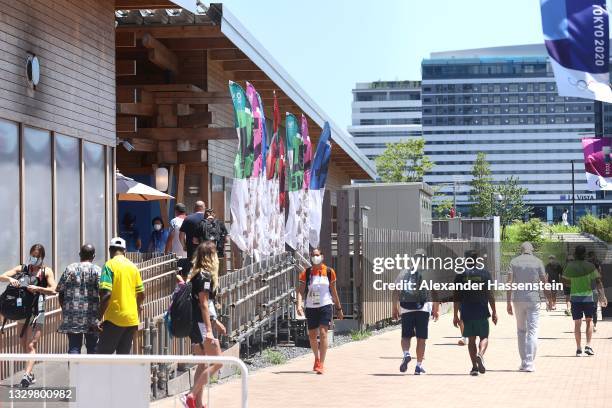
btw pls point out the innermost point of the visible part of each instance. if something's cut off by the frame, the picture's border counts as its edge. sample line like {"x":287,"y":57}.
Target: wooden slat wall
{"x":74,"y":41}
{"x":221,"y":153}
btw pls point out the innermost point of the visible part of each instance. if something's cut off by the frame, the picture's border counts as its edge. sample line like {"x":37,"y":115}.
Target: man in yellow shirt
{"x":121,"y":296}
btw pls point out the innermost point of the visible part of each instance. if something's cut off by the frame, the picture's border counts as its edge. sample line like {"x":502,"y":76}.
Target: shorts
{"x":318,"y":316}
{"x":38,"y":320}
{"x":583,"y":308}
{"x":476,"y":328}
{"x":415,"y":324}
{"x":198,"y":329}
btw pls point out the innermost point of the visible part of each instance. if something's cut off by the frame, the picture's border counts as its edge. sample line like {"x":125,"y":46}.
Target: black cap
{"x":180,"y":207}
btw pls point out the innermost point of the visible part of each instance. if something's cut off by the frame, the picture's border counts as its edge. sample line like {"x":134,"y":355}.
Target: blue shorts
{"x":319,"y":316}
{"x":415,"y":324}
{"x":586,"y":309}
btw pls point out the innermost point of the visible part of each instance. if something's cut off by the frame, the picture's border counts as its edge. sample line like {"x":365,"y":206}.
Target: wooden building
{"x":133,"y":85}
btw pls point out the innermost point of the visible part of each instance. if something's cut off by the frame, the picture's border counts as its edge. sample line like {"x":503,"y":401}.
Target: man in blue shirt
{"x":472,"y":308}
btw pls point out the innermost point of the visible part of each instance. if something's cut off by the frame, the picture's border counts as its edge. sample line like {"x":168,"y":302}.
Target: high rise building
{"x":385,"y":112}
{"x":503,"y":101}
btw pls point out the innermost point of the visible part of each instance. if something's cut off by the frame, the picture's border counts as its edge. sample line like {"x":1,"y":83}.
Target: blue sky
{"x":328,"y":46}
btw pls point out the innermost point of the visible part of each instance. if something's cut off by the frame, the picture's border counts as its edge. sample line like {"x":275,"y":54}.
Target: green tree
{"x":442,"y":209}
{"x":403,"y":161}
{"x":512,"y":205}
{"x":482,"y":189}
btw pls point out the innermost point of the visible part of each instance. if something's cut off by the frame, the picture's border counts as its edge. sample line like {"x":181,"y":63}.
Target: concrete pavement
{"x":365,"y":374}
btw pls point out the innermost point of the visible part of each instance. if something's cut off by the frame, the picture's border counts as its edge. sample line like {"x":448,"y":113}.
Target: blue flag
{"x":576,"y":37}
{"x":318,"y":178}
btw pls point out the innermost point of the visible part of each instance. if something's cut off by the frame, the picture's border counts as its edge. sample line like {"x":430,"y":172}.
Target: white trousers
{"x":527,"y":315}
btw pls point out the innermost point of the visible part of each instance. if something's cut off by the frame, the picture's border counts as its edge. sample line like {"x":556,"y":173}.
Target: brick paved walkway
{"x":365,"y":374}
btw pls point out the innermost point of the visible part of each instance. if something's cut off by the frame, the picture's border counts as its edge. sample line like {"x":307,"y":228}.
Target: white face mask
{"x":316,"y":259}
{"x":34,"y":261}
{"x":157,"y":227}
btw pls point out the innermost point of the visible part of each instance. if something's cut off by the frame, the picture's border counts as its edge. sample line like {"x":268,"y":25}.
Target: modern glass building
{"x":503,"y":101}
{"x":385,"y":112}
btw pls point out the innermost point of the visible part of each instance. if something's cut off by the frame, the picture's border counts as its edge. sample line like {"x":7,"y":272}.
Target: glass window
{"x":9,"y":191}
{"x":68,"y":191}
{"x":38,"y":194}
{"x":95,"y":198}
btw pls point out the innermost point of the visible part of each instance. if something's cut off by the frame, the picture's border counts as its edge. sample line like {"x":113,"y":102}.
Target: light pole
{"x":573,"y":195}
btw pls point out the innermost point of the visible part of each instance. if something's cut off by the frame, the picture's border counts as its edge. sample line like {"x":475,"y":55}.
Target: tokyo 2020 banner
{"x":598,"y":163}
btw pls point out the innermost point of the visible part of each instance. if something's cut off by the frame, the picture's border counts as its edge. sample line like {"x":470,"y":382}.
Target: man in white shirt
{"x":415,"y":307}
{"x":525,"y":304}
{"x":173,"y":244}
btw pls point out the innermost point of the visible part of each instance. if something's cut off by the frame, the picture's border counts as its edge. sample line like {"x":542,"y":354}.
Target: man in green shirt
{"x":583,"y":277}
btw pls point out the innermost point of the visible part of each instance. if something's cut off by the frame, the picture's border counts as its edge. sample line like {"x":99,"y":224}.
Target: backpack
{"x":179,"y":314}
{"x":17,"y":303}
{"x":412,"y":297}
{"x":208,"y":231}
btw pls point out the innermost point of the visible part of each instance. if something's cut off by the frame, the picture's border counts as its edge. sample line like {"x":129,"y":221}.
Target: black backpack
{"x":180,"y":312}
{"x":412,"y":297}
{"x":17,"y":303}
{"x":209,"y":231}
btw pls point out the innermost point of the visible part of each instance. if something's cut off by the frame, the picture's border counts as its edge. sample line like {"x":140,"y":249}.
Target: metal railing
{"x":158,"y":273}
{"x":12,"y":359}
{"x":256,"y":296}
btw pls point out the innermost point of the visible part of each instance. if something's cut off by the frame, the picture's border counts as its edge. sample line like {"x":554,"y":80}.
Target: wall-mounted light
{"x":193,"y":190}
{"x":161,"y":179}
{"x":32,"y":70}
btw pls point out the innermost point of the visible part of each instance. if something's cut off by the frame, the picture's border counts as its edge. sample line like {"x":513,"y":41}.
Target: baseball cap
{"x":117,"y":243}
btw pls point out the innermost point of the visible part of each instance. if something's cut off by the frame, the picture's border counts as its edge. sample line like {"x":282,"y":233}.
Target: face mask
{"x":157,"y":227}
{"x":316,"y":259}
{"x":34,"y":261}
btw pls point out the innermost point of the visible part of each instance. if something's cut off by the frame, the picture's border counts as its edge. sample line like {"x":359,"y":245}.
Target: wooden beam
{"x":171,"y":88}
{"x":159,"y":54}
{"x":193,"y":156}
{"x":143,"y":4}
{"x":201,"y":100}
{"x":167,"y":134}
{"x":240,"y":65}
{"x":174,"y":31}
{"x":250,"y":76}
{"x":126,"y":67}
{"x":196,"y":120}
{"x":198,"y":43}
{"x":227,"y":55}
{"x":144,"y":145}
{"x":126,"y":94}
{"x":136,"y":109}
{"x":126,"y":124}
{"x":125,"y":39}
{"x":180,"y":184}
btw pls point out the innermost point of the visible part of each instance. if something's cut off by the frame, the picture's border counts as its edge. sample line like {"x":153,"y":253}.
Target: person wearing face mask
{"x":39,"y":281}
{"x":159,"y":236}
{"x":130,"y":233}
{"x":318,"y":286}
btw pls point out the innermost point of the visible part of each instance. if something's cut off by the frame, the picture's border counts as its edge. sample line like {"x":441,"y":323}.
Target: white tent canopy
{"x":130,"y":190}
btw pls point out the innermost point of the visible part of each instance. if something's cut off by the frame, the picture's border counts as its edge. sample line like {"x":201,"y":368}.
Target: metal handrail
{"x":137,"y":359}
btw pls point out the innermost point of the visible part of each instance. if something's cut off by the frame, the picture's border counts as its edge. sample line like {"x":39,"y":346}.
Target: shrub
{"x":600,"y":227}
{"x":274,"y":357}
{"x":531,"y":231}
{"x":357,"y":335}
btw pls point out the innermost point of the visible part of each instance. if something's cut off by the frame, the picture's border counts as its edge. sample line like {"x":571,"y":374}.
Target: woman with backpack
{"x":31,"y":282}
{"x":318,"y":286}
{"x":204,"y":280}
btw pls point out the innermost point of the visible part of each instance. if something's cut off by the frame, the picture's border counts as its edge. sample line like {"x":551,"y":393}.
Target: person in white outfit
{"x":525,"y":304}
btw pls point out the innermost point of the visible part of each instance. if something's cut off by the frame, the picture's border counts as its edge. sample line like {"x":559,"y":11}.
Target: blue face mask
{"x":34,"y":261}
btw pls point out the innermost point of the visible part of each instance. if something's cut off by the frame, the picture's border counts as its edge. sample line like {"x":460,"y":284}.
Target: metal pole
{"x":455,"y":196}
{"x":573,"y":196}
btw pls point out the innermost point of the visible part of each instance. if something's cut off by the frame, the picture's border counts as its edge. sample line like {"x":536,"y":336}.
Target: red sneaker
{"x":319,"y":368}
{"x":316,"y":365}
{"x":190,"y":401}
